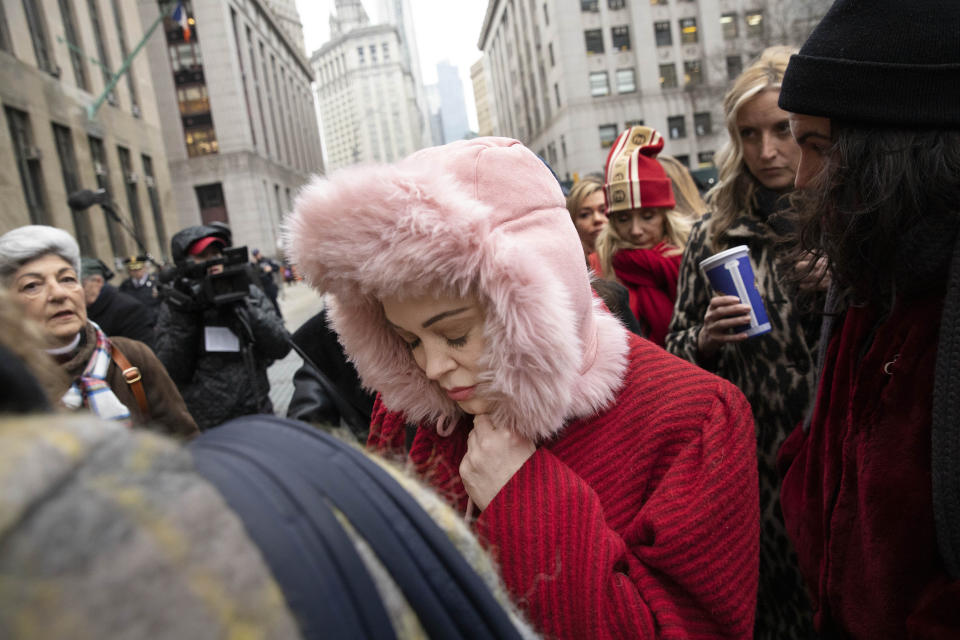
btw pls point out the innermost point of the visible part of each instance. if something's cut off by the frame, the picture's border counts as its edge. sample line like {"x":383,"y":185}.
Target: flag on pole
{"x":180,"y":17}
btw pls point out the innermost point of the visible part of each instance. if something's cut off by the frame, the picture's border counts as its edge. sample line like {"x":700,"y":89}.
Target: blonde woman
{"x":775,"y":371}
{"x":642,"y":245}
{"x":588,"y":210}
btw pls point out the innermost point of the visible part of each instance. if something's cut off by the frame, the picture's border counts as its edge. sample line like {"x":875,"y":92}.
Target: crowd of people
{"x":611,"y":442}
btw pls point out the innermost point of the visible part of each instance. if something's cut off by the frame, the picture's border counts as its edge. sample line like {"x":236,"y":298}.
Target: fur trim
{"x":482,"y":216}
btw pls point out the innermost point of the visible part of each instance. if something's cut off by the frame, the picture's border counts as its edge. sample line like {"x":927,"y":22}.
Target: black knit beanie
{"x":880,"y":61}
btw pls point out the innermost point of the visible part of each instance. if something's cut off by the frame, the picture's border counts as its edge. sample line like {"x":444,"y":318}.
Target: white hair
{"x":23,"y":244}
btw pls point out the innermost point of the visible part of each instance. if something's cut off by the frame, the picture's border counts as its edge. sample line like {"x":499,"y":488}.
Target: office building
{"x":568,"y":77}
{"x":486,"y":114}
{"x":366,"y":91}
{"x":56,"y":59}
{"x":237,"y":113}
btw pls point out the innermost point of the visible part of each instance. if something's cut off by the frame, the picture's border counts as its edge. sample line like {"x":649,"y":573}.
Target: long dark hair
{"x":884,"y":210}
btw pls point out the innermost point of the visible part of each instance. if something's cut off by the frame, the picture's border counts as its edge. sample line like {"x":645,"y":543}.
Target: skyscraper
{"x":452,"y":105}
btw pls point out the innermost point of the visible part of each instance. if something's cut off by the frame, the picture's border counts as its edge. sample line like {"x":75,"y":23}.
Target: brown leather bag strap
{"x":132,"y":375}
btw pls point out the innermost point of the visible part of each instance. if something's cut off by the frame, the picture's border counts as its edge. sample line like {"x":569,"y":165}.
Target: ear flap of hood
{"x":483,"y":216}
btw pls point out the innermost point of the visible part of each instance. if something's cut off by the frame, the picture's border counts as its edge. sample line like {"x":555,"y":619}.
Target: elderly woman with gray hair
{"x":115,"y":378}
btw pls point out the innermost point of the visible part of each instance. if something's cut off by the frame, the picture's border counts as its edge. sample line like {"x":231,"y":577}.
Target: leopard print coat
{"x":775,"y":371}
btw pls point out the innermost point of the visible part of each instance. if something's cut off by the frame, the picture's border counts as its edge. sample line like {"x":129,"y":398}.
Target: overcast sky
{"x":446,"y":30}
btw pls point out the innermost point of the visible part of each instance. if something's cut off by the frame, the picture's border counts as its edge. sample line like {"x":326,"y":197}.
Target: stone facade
{"x":47,"y":142}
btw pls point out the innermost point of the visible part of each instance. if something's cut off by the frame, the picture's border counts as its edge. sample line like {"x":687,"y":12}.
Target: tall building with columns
{"x":366,"y":91}
{"x":234,"y":99}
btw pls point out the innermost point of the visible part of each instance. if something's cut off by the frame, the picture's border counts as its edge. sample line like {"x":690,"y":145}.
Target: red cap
{"x":198,"y":247}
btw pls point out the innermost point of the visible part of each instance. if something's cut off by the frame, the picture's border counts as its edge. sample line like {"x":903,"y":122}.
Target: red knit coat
{"x":650,"y":277}
{"x":639,"y":522}
{"x":856,"y":496}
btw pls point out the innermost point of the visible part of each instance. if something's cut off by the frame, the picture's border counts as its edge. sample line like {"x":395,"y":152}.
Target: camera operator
{"x":217,"y":332}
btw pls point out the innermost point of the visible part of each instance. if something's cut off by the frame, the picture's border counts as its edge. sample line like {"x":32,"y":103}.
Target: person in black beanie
{"x":871,"y":488}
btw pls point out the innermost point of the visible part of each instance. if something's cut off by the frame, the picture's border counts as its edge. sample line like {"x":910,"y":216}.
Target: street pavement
{"x":299,"y":303}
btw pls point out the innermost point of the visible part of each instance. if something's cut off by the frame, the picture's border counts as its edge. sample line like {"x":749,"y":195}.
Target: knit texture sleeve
{"x":685,"y":566}
{"x":693,"y":298}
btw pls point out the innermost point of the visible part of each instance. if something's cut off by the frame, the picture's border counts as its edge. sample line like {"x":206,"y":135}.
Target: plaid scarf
{"x":91,"y":389}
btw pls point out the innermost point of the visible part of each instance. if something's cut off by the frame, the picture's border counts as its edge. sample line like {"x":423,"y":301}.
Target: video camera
{"x":213,"y":283}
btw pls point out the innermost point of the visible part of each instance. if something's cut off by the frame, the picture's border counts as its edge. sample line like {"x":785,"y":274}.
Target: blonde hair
{"x":676,"y":230}
{"x":581,"y":191}
{"x":736,"y":187}
{"x":685,"y":190}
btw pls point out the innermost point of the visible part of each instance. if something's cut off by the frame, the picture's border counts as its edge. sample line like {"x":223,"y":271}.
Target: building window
{"x":73,"y":44}
{"x":668,"y":76}
{"x":594,"y":40}
{"x":360,"y":54}
{"x":655,"y":2}
{"x":71,"y":183}
{"x":373,"y":54}
{"x":677,"y":126}
{"x":590,"y":5}
{"x":608,"y":134}
{"x":98,"y":153}
{"x":705,"y":159}
{"x":662,"y":33}
{"x":5,"y":44}
{"x":688,"y":31}
{"x":728,"y":23}
{"x":28,"y":162}
{"x":550,"y":51}
{"x":546,"y":15}
{"x":684,"y":160}
{"x":734,"y":66}
{"x":385,"y":48}
{"x":626,"y":81}
{"x":201,"y":141}
{"x":37,"y":25}
{"x":213,"y":206}
{"x":616,"y":4}
{"x":692,"y":73}
{"x":124,"y":53}
{"x":621,"y":37}
{"x":599,"y":84}
{"x":105,"y":66}
{"x":130,"y":180}
{"x":556,"y":93}
{"x":702,"y":123}
{"x":633,"y":123}
{"x":150,"y":180}
{"x":193,"y":99}
{"x":755,"y":24}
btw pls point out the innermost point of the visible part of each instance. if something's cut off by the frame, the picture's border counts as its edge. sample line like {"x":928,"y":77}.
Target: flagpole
{"x":93,"y":108}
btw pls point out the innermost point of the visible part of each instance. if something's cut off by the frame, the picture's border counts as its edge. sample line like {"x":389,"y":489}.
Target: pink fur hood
{"x":484,"y":216}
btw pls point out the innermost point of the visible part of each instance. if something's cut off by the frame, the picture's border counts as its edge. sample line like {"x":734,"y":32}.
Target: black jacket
{"x":220,"y":385}
{"x":120,"y":315}
{"x":311,"y":401}
{"x":147,"y":293}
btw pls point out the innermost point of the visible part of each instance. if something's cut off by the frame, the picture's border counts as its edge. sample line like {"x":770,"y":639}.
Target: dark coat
{"x":168,"y":413}
{"x":857,"y":496}
{"x":311,"y":401}
{"x":148,"y":293}
{"x":120,"y":315}
{"x":217,"y":385}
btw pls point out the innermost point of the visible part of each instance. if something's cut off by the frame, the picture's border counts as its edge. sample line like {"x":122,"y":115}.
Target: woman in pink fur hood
{"x":615,"y":484}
